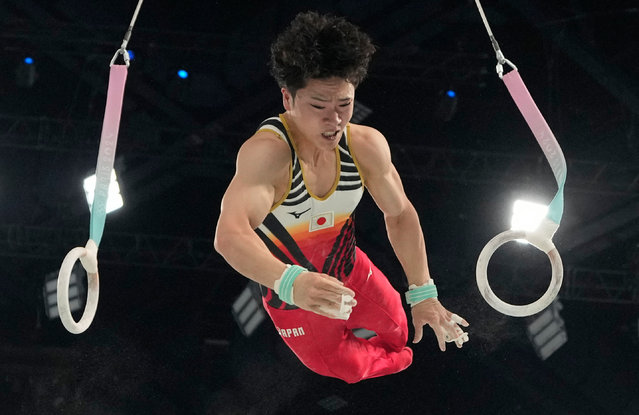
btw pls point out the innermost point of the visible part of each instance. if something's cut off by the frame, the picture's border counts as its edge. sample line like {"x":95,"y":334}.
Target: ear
{"x":287,"y":99}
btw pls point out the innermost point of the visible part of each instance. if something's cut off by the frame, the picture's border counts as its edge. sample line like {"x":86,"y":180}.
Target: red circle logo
{"x":321,"y":221}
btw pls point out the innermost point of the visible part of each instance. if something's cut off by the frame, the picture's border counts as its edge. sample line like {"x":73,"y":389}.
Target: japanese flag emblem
{"x":321,"y":221}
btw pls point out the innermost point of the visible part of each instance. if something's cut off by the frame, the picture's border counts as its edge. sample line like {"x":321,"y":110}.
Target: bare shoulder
{"x":370,"y":149}
{"x":264,"y":155}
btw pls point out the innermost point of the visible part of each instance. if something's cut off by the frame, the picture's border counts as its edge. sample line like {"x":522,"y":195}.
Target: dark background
{"x":164,"y":340}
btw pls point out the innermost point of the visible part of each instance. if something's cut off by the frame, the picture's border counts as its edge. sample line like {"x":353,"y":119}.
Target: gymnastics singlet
{"x":318,"y":234}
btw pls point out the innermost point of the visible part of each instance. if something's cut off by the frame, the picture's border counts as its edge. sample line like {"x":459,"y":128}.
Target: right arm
{"x":263,"y":163}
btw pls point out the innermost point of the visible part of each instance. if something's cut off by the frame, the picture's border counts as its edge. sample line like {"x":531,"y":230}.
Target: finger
{"x":441,"y":340}
{"x":347,"y":304}
{"x":441,"y":343}
{"x":331,"y":278}
{"x":461,"y":340}
{"x":459,"y":320}
{"x":331,"y":313}
{"x":454,"y":334}
{"x":341,"y":310}
{"x":348,"y":300}
{"x":419,"y":333}
{"x":335,"y":286}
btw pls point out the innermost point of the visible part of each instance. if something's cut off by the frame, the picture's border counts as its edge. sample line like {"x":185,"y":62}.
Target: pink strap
{"x":106,"y":154}
{"x":544,"y":136}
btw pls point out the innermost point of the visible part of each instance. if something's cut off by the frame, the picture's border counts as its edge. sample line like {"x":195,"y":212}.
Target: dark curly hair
{"x":318,"y":46}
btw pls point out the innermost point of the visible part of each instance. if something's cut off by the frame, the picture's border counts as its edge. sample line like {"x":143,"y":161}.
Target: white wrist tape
{"x":345,"y":309}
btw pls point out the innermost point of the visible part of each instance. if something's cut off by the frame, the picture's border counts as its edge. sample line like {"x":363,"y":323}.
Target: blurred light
{"x":26,"y":73}
{"x":77,"y":292}
{"x":247,"y":310}
{"x":183,"y":74}
{"x":527,"y":215}
{"x":332,"y":403}
{"x":447,"y":105}
{"x":114,"y":200}
{"x":360,"y":112}
{"x":547,"y":332}
{"x":131,"y":55}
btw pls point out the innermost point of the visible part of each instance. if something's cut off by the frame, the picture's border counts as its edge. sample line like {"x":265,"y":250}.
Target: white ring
{"x":93,"y":290}
{"x":510,"y":309}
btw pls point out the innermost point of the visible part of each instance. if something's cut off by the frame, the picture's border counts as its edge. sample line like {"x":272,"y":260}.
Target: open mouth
{"x":330,"y":135}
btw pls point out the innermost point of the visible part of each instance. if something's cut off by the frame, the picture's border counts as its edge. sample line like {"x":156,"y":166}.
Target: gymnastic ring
{"x":510,"y":309}
{"x":88,"y":258}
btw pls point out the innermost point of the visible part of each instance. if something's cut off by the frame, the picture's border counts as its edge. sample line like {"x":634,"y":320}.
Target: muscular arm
{"x":385,"y":186}
{"x":404,"y":232}
{"x":261,"y":162}
{"x":262,"y":167}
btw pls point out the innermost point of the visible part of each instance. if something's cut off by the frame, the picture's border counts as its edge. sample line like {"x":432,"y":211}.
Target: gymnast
{"x":286,"y":218}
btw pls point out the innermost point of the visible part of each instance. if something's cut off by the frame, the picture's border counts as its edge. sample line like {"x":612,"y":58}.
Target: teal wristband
{"x":286,"y":282}
{"x":418,"y":294}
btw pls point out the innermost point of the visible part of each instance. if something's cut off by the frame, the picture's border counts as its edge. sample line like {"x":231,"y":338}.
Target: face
{"x":321,"y":110}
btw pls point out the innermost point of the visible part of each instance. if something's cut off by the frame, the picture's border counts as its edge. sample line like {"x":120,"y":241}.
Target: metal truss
{"x":197,"y":254}
{"x":600,"y":285}
{"x":414,"y":162}
{"x":75,"y":136}
{"x":427,"y":163}
{"x":120,"y":249}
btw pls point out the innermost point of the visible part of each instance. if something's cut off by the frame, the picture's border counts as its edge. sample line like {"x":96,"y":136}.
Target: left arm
{"x":404,"y":230}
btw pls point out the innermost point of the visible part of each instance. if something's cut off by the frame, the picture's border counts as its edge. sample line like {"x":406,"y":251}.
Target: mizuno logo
{"x":298,"y":215}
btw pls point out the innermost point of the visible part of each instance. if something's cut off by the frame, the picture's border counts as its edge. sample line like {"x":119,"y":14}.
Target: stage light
{"x":447,"y":105}
{"x":547,"y":331}
{"x":26,"y":73}
{"x":77,"y":292}
{"x":114,"y":199}
{"x":247,"y":310}
{"x":527,"y":216}
{"x":131,"y":55}
{"x":183,"y":74}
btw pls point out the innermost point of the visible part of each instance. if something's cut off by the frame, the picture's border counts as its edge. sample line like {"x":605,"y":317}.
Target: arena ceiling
{"x":164,"y":336}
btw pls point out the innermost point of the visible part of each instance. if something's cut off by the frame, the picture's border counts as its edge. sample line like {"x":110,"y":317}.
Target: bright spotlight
{"x":114,"y":200}
{"x":183,"y":74}
{"x":28,"y":60}
{"x":527,"y":216}
{"x":451,"y":94}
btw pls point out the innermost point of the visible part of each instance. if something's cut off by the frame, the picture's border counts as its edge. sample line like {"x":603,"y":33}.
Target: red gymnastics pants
{"x":328,"y":346}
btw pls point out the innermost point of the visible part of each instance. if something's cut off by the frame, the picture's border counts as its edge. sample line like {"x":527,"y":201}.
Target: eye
{"x":317,"y":107}
{"x":345,"y":105}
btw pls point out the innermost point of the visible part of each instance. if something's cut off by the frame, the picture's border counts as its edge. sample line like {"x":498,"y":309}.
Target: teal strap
{"x":286,"y":282}
{"x":419,"y":294}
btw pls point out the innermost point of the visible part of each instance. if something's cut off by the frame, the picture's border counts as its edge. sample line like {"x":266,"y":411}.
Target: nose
{"x":335,"y":116}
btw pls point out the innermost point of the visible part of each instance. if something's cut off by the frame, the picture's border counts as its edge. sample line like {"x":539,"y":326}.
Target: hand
{"x":444,"y":323}
{"x":323,"y":295}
